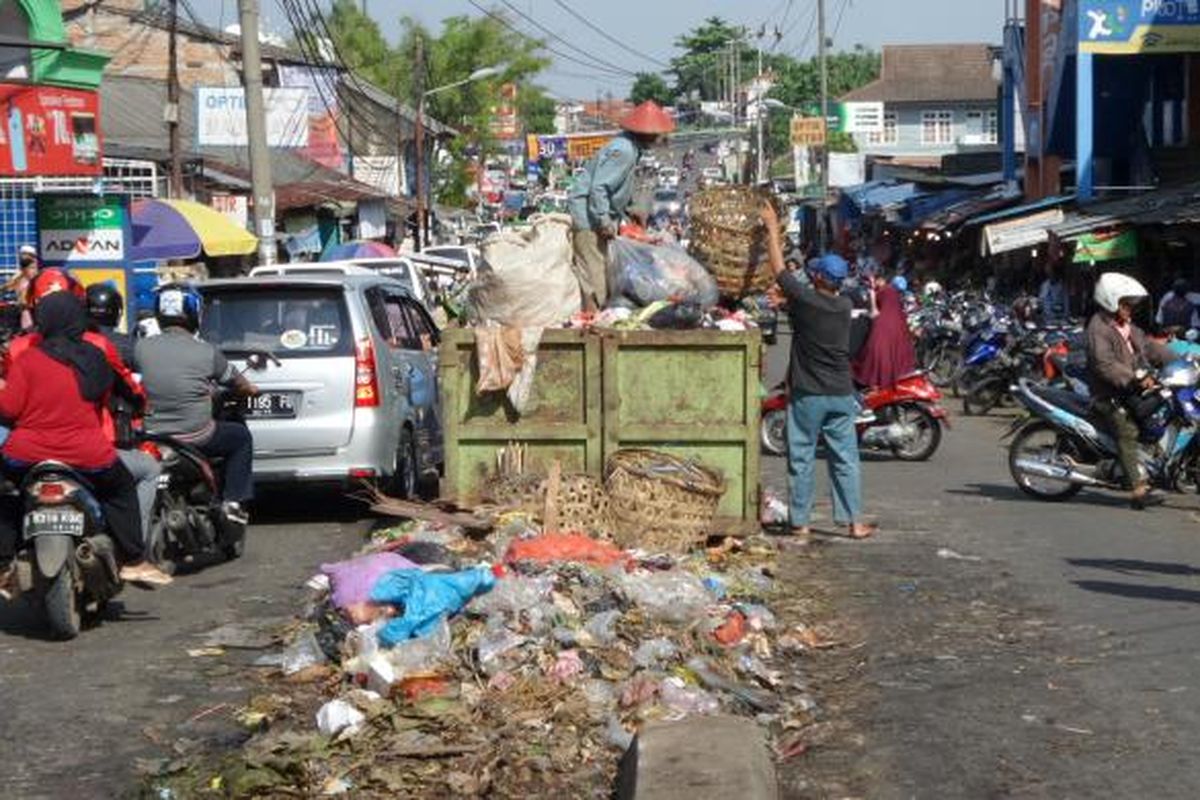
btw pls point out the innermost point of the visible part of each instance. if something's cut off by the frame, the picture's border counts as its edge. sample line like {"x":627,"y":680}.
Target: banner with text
{"x":46,"y":130}
{"x":221,"y":117}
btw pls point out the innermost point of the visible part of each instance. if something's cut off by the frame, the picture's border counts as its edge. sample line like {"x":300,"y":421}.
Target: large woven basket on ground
{"x":660,"y":502}
{"x":729,"y":238}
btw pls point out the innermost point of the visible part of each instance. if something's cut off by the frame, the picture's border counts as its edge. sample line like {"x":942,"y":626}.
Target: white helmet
{"x":933,"y":287}
{"x":1113,"y":287}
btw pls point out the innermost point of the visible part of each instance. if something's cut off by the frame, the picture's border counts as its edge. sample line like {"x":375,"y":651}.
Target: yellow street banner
{"x":808,"y":131}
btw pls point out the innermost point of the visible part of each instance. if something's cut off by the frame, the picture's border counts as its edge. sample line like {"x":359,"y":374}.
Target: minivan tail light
{"x":366,"y":376}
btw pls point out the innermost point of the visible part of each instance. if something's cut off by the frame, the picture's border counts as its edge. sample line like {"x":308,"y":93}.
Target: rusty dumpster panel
{"x":692,"y":393}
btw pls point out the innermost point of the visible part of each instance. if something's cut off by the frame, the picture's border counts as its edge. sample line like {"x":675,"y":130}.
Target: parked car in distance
{"x":351,"y":391}
{"x":667,"y":201}
{"x":457,"y":253}
{"x":712,"y":176}
{"x":400,"y":268}
{"x":668,"y":177}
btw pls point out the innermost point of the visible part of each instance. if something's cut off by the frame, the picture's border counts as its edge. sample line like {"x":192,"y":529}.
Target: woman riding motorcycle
{"x":53,"y":393}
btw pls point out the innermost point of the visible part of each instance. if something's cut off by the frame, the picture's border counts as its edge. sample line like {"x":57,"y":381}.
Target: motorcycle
{"x":188,"y":519}
{"x":904,"y":420}
{"x":67,"y":557}
{"x":1064,"y":446}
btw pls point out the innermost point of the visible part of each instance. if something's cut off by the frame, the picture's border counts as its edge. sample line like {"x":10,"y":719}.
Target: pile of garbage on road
{"x":436,"y":662}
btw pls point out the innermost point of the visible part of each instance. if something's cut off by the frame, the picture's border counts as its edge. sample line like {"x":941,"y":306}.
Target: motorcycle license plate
{"x":54,"y":521}
{"x":272,"y":405}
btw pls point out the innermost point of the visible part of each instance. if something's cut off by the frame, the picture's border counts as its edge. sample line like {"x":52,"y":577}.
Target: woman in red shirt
{"x":53,"y":395}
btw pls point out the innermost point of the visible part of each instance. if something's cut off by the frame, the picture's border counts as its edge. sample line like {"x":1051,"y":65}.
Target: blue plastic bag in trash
{"x":426,"y":597}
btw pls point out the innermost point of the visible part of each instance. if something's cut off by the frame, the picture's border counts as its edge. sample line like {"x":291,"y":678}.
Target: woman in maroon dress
{"x":888,"y":353}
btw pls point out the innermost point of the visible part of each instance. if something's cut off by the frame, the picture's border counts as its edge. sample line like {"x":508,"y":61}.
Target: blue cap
{"x":900,"y":283}
{"x":832,"y":266}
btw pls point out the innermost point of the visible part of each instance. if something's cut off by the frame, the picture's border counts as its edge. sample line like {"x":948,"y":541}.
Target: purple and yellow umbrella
{"x":165,"y":230}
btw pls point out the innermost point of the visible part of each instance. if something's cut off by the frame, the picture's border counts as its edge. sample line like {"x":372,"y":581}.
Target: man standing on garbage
{"x":603,"y":194}
{"x":822,"y":402}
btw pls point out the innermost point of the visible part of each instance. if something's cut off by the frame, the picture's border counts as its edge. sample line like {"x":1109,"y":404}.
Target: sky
{"x":650,"y":27}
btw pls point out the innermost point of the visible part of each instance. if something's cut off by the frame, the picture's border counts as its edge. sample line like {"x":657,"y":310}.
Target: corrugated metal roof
{"x":1016,"y":211}
{"x":1179,"y":206}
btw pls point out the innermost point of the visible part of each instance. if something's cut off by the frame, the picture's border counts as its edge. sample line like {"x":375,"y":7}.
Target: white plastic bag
{"x":526,"y":279}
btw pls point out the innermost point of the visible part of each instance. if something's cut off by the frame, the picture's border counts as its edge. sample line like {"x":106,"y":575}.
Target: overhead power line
{"x":543,"y":45}
{"x":563,"y":5}
{"x":600,"y":61}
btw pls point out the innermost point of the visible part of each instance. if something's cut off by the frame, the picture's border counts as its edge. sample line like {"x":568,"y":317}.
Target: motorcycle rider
{"x":105,"y":307}
{"x":1118,"y":354}
{"x":179,"y":370}
{"x":53,"y":393}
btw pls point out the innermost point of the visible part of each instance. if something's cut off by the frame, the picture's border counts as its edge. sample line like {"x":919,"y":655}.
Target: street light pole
{"x":761,"y":109}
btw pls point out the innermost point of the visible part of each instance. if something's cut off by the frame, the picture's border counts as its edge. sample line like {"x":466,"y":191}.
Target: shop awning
{"x":1021,"y":210}
{"x":1014,"y":234}
{"x":179,"y":229}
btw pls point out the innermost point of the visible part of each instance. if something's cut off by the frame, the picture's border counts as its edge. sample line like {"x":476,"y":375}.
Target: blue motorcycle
{"x":1064,"y":445}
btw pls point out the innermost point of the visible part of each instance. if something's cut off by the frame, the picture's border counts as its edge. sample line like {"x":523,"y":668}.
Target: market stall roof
{"x":962,"y":212}
{"x":1178,"y":206}
{"x":879,"y":195}
{"x":1025,"y":208}
{"x":178,"y":229}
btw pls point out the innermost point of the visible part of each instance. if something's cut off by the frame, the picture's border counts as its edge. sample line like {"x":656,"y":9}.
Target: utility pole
{"x":760,"y":95}
{"x":171,"y":112}
{"x":419,"y":142}
{"x":256,"y":130}
{"x":825,"y":117}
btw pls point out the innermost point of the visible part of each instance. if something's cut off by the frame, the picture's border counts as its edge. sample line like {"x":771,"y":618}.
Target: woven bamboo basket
{"x":729,"y":238}
{"x":660,"y":502}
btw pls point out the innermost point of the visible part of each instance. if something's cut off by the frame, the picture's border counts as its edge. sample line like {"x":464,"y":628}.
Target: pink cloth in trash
{"x":351,"y":581}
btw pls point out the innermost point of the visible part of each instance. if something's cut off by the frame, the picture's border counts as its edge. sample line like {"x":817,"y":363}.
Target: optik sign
{"x":83,"y":229}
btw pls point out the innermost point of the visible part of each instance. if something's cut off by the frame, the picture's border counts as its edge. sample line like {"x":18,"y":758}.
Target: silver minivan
{"x":349,"y":390}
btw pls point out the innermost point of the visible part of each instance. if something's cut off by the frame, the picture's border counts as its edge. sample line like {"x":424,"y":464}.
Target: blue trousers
{"x":811,"y":417}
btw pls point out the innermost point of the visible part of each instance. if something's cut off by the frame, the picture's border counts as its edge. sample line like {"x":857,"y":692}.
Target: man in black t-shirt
{"x":822,"y":402}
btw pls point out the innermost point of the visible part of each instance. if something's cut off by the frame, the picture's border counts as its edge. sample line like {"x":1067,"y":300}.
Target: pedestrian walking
{"x":822,"y":402}
{"x":603,"y":194}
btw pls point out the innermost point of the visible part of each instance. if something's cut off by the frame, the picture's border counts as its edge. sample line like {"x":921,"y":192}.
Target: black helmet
{"x":105,"y":304}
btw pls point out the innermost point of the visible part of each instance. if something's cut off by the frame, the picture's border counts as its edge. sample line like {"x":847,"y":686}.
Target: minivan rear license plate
{"x":272,"y":405}
{"x":48,"y":521}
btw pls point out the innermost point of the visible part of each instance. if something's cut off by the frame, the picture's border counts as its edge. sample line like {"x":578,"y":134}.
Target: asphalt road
{"x":1001,"y":647}
{"x":1005,"y":647}
{"x":76,"y":717}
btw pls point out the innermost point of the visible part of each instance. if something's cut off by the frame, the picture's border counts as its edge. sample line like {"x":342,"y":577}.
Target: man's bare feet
{"x":146,"y":574}
{"x":862,"y":530}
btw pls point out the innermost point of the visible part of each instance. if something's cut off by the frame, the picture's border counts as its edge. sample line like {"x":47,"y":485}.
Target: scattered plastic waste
{"x":337,"y":717}
{"x":558,"y":547}
{"x":774,"y":509}
{"x":732,"y":630}
{"x":653,"y":652}
{"x":302,"y":653}
{"x":426,"y":597}
{"x":684,"y":701}
{"x":947,"y":553}
{"x":676,"y":596}
{"x":602,"y":626}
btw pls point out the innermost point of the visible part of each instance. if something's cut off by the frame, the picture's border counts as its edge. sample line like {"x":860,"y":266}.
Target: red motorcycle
{"x":904,"y":420}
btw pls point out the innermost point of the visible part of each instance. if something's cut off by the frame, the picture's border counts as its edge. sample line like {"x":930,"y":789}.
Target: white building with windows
{"x":938,"y":100}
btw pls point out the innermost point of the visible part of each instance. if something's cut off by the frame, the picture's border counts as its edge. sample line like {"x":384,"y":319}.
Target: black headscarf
{"x":61,"y":320}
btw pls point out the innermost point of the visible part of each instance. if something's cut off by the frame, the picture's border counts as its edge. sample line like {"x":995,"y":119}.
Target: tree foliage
{"x":462,"y":46}
{"x":649,"y":86}
{"x":699,"y":68}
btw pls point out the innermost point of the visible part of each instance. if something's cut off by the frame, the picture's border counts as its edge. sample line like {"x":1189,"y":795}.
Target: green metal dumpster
{"x":692,"y":393}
